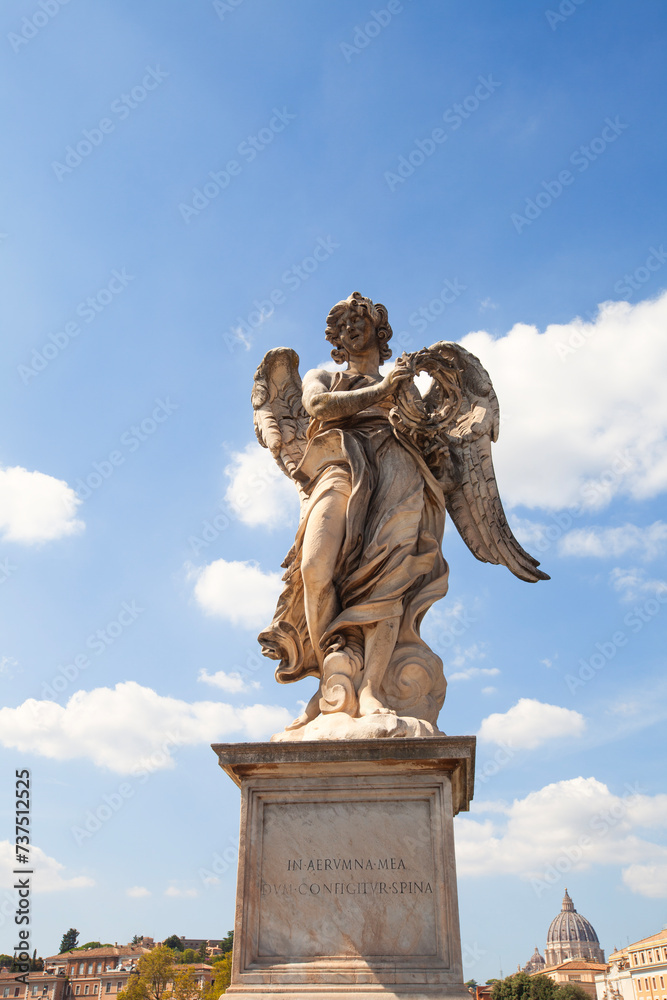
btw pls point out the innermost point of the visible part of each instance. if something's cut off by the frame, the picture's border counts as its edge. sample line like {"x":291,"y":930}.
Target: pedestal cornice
{"x":454,"y":754}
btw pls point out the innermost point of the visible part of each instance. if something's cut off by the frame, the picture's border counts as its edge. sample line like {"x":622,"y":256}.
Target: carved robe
{"x":390,"y":564}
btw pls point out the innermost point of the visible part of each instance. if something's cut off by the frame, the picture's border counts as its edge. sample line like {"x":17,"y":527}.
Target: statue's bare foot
{"x":370,"y":705}
{"x":301,"y":720}
{"x":310,"y":712}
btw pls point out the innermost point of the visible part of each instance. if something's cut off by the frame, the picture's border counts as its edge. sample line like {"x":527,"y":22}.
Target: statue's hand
{"x":396,"y":378}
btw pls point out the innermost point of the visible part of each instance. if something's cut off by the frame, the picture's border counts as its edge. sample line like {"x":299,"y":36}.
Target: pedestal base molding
{"x":347,"y":876}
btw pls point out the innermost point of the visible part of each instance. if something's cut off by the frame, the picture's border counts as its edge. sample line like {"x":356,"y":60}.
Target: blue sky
{"x":493,"y":173}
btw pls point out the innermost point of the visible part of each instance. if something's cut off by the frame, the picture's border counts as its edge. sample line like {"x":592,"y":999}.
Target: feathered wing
{"x":280,"y":419}
{"x":472,"y":499}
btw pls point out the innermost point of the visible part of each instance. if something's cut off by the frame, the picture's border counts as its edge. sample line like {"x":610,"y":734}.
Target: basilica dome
{"x":536,"y":963}
{"x":571,"y":936}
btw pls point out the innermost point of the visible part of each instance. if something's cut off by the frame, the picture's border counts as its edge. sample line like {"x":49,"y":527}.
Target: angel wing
{"x":280,"y":419}
{"x":472,"y":500}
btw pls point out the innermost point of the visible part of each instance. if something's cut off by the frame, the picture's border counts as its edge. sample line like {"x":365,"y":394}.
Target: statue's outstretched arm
{"x":323,"y":404}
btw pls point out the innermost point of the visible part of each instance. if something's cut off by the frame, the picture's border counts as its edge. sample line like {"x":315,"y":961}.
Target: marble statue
{"x":377,"y":466}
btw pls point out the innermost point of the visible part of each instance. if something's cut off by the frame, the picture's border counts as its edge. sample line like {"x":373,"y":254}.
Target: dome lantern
{"x":567,"y":902}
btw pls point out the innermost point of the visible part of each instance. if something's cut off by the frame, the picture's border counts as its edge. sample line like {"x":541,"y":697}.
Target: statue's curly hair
{"x":376,"y":312}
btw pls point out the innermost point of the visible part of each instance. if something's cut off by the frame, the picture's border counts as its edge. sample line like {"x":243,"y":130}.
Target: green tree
{"x":222,"y":976}
{"x":188,"y":956}
{"x":501,"y":990}
{"x":137,"y":939}
{"x":155,"y":971}
{"x":227,"y":942}
{"x":471,"y":982}
{"x":173,"y":942}
{"x":69,"y":940}
{"x":520,"y":986}
{"x":202,"y":954}
{"x":543,"y":988}
{"x":186,"y":986}
{"x":570,"y":991}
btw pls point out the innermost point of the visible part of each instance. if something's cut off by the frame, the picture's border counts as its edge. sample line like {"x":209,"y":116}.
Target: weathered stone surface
{"x":340,"y":726}
{"x":363,"y":883}
{"x":347,"y":879}
{"x":376,"y":466}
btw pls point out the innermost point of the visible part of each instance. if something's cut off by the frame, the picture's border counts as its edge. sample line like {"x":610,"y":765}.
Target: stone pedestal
{"x":347,"y":876}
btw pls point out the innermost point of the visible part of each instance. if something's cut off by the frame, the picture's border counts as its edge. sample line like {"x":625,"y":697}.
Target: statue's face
{"x":356,"y":332}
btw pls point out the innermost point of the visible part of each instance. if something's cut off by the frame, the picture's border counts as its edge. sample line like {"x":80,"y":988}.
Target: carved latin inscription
{"x":344,"y":864}
{"x":347,"y":878}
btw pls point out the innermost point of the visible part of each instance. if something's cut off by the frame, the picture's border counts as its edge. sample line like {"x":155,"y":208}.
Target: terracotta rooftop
{"x":113,"y":950}
{"x":653,"y":939}
{"x":7,"y":976}
{"x":575,"y":964}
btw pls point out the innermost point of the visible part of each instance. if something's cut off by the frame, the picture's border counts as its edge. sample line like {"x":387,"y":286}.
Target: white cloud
{"x":530,"y":723}
{"x":442,"y":615}
{"x":445,"y":625}
{"x":242,"y":337}
{"x":463,"y":655}
{"x":633,"y":585}
{"x":531,"y":534}
{"x":647,"y":880}
{"x":137,"y":892}
{"x":35,"y":507}
{"x":470,"y":672}
{"x":180,"y":893}
{"x":6,"y":664}
{"x":130,"y":727}
{"x":605,"y":543}
{"x":581,"y":428}
{"x":626,"y":708}
{"x":566,"y":826}
{"x":237,"y":591}
{"x":259,"y":492}
{"x":49,"y":874}
{"x":490,"y":690}
{"x":232,"y":683}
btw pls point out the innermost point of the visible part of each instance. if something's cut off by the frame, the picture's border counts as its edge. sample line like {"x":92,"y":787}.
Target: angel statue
{"x":376,"y":466}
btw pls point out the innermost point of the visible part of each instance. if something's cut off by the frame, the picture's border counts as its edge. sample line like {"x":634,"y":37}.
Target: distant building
{"x":203,"y":972}
{"x":49,"y":985}
{"x":535,"y":963}
{"x":572,"y":952}
{"x":648,"y":965}
{"x":104,"y":972}
{"x":581,"y":971}
{"x":615,"y":983}
{"x":97,"y":971}
{"x":638,"y":972}
{"x":481,"y":992}
{"x":571,"y":936}
{"x":196,"y":943}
